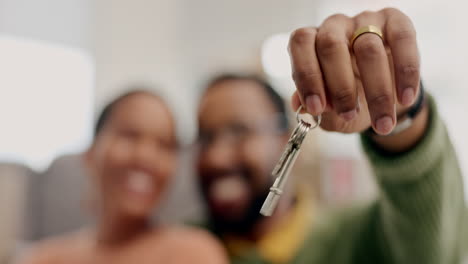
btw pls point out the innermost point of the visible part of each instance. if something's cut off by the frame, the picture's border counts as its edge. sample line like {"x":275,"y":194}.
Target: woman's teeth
{"x":140,"y":182}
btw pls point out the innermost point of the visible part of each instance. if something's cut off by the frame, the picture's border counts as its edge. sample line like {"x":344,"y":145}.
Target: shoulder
{"x":197,"y":245}
{"x":55,"y":250}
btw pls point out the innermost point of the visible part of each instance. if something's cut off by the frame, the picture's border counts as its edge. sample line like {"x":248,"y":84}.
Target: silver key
{"x":286,"y":162}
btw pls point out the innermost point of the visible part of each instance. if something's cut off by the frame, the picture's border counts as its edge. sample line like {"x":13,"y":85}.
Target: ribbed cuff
{"x":415,"y":163}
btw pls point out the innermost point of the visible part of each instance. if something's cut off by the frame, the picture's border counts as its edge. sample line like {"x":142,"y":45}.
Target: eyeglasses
{"x":237,"y":133}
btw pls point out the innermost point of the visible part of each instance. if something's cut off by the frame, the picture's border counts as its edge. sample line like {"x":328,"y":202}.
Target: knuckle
{"x":368,"y":45}
{"x":410,"y":71}
{"x":302,"y":76}
{"x":390,"y":11}
{"x":337,"y":17}
{"x":381,"y":100}
{"x":403,"y":33}
{"x":329,"y":122}
{"x":344,"y":99}
{"x":303,"y":35}
{"x":334,"y":124}
{"x":328,"y":126}
{"x":328,"y":43}
{"x":325,"y":125}
{"x":365,"y":14}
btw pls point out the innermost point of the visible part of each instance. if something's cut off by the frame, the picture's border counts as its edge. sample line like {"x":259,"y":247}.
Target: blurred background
{"x":62,"y":60}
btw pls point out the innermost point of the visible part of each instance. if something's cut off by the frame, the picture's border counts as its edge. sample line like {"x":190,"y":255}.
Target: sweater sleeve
{"x":420,"y":209}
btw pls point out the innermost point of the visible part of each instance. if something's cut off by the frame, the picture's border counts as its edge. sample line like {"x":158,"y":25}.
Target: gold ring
{"x":366,"y":29}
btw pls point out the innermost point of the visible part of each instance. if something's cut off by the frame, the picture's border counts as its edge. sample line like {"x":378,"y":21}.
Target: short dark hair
{"x":106,"y":113}
{"x":274,"y":97}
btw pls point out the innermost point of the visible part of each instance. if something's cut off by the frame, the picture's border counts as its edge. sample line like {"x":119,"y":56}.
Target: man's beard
{"x":245,"y":224}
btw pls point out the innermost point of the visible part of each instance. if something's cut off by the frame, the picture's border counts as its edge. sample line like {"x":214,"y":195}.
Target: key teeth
{"x":270,"y":203}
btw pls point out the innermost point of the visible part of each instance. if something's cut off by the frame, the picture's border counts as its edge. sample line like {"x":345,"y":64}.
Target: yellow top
{"x":283,"y":242}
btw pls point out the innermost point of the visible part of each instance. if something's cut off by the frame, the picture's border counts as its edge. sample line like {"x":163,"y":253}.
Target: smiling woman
{"x":131,"y":161}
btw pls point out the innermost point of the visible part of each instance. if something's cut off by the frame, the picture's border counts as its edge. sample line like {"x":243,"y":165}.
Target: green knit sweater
{"x":418,"y":217}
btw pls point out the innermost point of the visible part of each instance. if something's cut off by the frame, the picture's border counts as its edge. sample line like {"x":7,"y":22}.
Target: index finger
{"x":306,"y":70}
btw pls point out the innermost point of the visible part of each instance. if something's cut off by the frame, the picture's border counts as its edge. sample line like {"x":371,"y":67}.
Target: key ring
{"x":299,"y":119}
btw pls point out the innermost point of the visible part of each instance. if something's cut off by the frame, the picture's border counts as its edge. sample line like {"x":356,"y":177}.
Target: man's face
{"x":240,"y":142}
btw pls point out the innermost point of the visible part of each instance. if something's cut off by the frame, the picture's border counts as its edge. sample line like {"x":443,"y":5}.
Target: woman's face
{"x":134,"y":156}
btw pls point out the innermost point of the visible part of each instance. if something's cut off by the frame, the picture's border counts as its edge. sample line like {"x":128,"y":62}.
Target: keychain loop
{"x":299,"y":119}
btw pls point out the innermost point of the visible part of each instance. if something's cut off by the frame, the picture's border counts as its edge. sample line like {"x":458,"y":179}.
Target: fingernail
{"x":384,"y":125}
{"x":350,"y":115}
{"x":314,"y":105}
{"x":408,"y":97}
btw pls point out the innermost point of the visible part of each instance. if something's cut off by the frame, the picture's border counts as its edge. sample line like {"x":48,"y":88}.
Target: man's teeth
{"x":140,"y":182}
{"x":228,"y":189}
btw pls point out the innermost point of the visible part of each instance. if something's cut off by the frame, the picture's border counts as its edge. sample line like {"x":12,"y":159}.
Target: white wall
{"x":63,"y":21}
{"x":137,"y":42}
{"x":45,"y":64}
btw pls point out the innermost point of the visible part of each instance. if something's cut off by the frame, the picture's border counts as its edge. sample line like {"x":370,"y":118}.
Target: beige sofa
{"x":14,"y":184}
